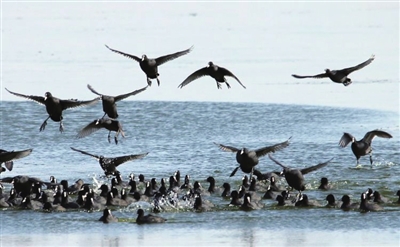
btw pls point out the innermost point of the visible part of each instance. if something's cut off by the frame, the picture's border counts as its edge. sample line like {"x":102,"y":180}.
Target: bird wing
{"x":73,"y":103}
{"x":346,"y":139}
{"x":228,"y":73}
{"x":125,"y":54}
{"x":122,"y":159}
{"x":37,"y":99}
{"x":90,"y":128}
{"x":195,"y":75}
{"x":83,"y":152}
{"x":227,"y":148}
{"x":369,"y":136}
{"x":277,"y":162}
{"x":360,"y":66}
{"x":272,"y":149}
{"x":93,"y":91}
{"x":169,"y":57}
{"x":123,"y":96}
{"x":7,"y":180}
{"x":13,"y":155}
{"x":316,"y":167}
{"x":310,"y":76}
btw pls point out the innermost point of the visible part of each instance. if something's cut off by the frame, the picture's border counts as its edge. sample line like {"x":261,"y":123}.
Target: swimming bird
{"x":378,"y":198}
{"x":362,"y":147}
{"x":324,"y":185}
{"x":332,"y":203}
{"x":107,"y":216}
{"x":365,"y":206}
{"x":55,"y":106}
{"x":347,"y":205}
{"x":109,"y":102}
{"x":213,"y":70}
{"x":248,"y":159}
{"x":106,"y":123}
{"x":109,"y":165}
{"x":148,"y":219}
{"x":23,"y":184}
{"x":150,"y":65}
{"x":294,"y":177}
{"x":7,"y":158}
{"x":305,"y":202}
{"x":339,"y":76}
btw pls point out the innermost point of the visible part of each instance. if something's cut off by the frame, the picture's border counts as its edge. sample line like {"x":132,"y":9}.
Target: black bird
{"x":324,"y":185}
{"x":106,"y":123}
{"x":339,"y":76}
{"x":332,"y":203}
{"x":362,"y":147}
{"x":109,"y":106}
{"x":55,"y":106}
{"x":107,"y":216}
{"x":294,"y":177}
{"x":216,"y":72}
{"x":347,"y":205}
{"x":365,"y":206}
{"x":150,"y":65}
{"x":248,"y":159}
{"x":7,"y":158}
{"x":148,"y":219}
{"x":109,"y":165}
{"x":23,"y":184}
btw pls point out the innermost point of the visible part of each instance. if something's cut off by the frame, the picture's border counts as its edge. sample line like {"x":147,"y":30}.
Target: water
{"x":59,"y":47}
{"x":180,"y":136}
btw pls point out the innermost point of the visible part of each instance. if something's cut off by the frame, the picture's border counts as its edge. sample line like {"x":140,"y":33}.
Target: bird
{"x":106,"y":123}
{"x":109,"y":165}
{"x":7,"y":158}
{"x":305,"y":202}
{"x":213,"y":70}
{"x":55,"y":106}
{"x":148,"y":219}
{"x":365,"y":206}
{"x":248,"y":159}
{"x":107,"y":216}
{"x":338,"y":76}
{"x":294,"y":177}
{"x":332,"y":203}
{"x":324,"y":185}
{"x":150,"y":65}
{"x":347,"y":205}
{"x":109,"y":102}
{"x":23,"y":184}
{"x":363,"y":146}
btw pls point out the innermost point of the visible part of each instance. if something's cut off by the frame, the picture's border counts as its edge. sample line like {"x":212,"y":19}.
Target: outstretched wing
{"x":360,"y":66}
{"x":125,"y":54}
{"x":93,"y":91}
{"x":37,"y":99}
{"x":310,"y":76}
{"x":227,"y":148}
{"x":346,"y":139}
{"x":122,"y":159}
{"x":169,"y":57}
{"x":369,"y":136}
{"x":195,"y":75}
{"x":83,"y":152}
{"x":13,"y":155}
{"x":316,"y":167}
{"x":277,"y":162}
{"x":90,"y":128}
{"x":71,"y":103}
{"x":272,"y":149}
{"x":123,"y":96}
{"x":228,"y":73}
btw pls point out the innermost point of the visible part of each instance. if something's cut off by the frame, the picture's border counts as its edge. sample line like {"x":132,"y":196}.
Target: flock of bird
{"x":27,"y":192}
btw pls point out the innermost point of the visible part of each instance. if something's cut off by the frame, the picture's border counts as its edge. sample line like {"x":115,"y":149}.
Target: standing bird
{"x":339,"y":76}
{"x":109,"y":106}
{"x":294,"y":177}
{"x":55,"y":106}
{"x":109,"y":165}
{"x":150,"y":65}
{"x":213,"y":70}
{"x":106,"y":123}
{"x":362,"y":147}
{"x":248,"y":159}
{"x":7,"y":158}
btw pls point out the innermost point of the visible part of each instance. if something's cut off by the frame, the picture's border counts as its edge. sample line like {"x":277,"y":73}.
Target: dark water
{"x":180,"y":136}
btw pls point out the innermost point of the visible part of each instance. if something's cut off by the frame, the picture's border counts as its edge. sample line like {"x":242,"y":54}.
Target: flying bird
{"x":109,"y":102}
{"x":109,"y":165}
{"x":106,"y":123}
{"x":363,"y":146}
{"x":248,"y":159}
{"x":339,"y":76}
{"x":150,"y":65}
{"x":7,"y":158}
{"x":213,"y":70}
{"x":55,"y":106}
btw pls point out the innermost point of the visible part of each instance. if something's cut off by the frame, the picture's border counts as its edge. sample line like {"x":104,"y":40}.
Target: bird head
{"x":327,"y":70}
{"x":144,"y":57}
{"x":210,"y":64}
{"x":47,"y":95}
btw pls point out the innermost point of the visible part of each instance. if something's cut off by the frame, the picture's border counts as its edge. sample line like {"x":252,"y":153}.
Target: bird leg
{"x":109,"y":136}
{"x":116,"y":138}
{"x":158,"y":81}
{"x":234,"y":171}
{"x":218,"y":85}
{"x":227,"y":84}
{"x":61,"y":126}
{"x":370,"y":158}
{"x":102,"y":117}
{"x":148,"y":81}
{"x":347,"y":82}
{"x":43,"y":126}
